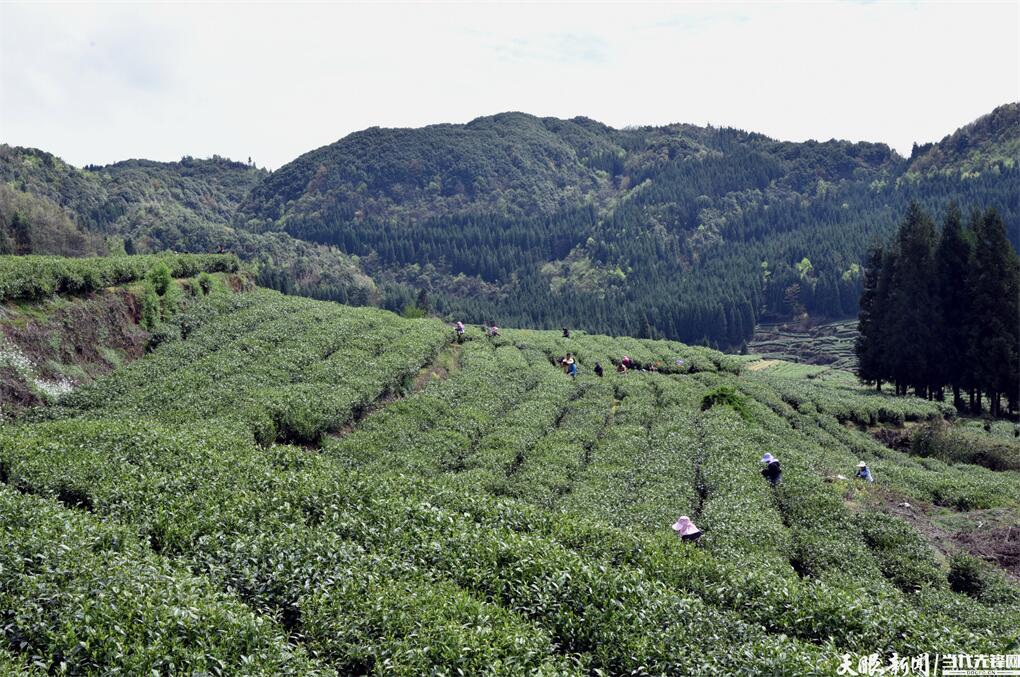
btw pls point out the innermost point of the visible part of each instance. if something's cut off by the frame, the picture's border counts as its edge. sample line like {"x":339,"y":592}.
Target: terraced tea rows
{"x":37,"y":277}
{"x":504,"y":519}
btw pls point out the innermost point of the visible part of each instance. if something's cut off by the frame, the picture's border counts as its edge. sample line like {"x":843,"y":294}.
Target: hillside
{"x":679,"y":231}
{"x":64,"y":322}
{"x":145,"y":207}
{"x":682,"y":232}
{"x":829,"y":344}
{"x":298,"y":487}
{"x":984,"y":145}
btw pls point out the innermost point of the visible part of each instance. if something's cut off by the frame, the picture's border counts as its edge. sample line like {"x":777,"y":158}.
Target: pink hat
{"x":684,"y":526}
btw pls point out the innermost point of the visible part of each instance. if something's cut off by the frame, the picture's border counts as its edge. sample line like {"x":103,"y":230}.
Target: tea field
{"x":298,"y":487}
{"x":830,"y":344}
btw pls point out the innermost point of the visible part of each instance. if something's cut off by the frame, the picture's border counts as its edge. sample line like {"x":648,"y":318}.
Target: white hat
{"x":768,"y":458}
{"x":685,"y":527}
{"x":862,"y":464}
{"x":681,"y":523}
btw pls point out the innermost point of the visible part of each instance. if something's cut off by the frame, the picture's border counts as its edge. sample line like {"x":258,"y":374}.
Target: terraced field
{"x":830,"y":344}
{"x":298,"y":487}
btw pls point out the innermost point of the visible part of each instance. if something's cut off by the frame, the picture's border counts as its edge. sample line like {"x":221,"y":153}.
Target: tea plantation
{"x":298,"y":487}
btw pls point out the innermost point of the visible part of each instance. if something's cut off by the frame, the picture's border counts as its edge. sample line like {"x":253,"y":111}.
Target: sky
{"x":95,"y":83}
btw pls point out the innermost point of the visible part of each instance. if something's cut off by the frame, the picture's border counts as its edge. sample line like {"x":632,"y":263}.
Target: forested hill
{"x":678,"y":231}
{"x":685,"y":232}
{"x":989,"y":141}
{"x":50,"y":207}
{"x":519,"y":165}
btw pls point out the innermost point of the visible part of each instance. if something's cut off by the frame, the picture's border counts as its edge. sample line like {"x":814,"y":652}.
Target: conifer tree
{"x":912,"y":309}
{"x":994,"y":288}
{"x":952,"y":262}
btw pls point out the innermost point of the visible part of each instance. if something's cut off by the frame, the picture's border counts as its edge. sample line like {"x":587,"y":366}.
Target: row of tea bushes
{"x":37,"y":277}
{"x":80,"y":597}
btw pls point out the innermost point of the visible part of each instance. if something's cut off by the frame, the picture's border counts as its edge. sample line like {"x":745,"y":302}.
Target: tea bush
{"x":81,"y":597}
{"x":502,"y":519}
{"x":36,"y":277}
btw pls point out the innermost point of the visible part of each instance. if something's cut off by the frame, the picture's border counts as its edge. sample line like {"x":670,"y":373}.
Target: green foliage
{"x":943,"y":314}
{"x":952,"y":445}
{"x":206,"y":283}
{"x":159,"y":278}
{"x":140,"y":613}
{"x":972,"y":576}
{"x":725,"y":395}
{"x":987,"y":143}
{"x":271,"y":363}
{"x":413,"y":312}
{"x":659,"y":232}
{"x":494,"y":516}
{"x":36,"y":277}
{"x":903,"y":555}
{"x":30,"y":224}
{"x":151,"y":313}
{"x":186,"y":206}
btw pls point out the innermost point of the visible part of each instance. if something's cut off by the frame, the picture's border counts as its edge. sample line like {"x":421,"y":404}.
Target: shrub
{"x":727,"y":396}
{"x":205,"y":283}
{"x":413,"y":312}
{"x":164,"y":332}
{"x":972,"y":576}
{"x":160,"y":278}
{"x":904,"y":556}
{"x":151,"y":313}
{"x":952,"y":445}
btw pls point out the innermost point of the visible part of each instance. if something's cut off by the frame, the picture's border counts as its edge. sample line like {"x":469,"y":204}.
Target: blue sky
{"x":96,"y":83}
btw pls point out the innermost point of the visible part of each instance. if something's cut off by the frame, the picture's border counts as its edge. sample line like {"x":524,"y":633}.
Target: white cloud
{"x":95,"y":83}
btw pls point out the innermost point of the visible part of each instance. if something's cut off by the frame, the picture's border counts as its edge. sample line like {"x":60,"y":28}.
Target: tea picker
{"x":686,"y":530}
{"x":772,"y":471}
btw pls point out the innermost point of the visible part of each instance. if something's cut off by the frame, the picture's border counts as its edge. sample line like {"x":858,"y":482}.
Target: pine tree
{"x":912,"y":309}
{"x":952,"y":262}
{"x":995,"y":295}
{"x":869,"y":326}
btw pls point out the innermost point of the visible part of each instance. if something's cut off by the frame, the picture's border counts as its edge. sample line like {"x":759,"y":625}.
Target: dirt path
{"x":761,"y":365}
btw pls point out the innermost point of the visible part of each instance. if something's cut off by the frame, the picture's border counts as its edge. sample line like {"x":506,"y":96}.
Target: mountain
{"x":684,"y":232}
{"x":988,"y":142}
{"x":678,"y":231}
{"x":144,"y":206}
{"x":514,"y":163}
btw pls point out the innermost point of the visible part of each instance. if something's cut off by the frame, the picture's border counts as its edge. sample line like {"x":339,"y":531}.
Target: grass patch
{"x":112,"y":355}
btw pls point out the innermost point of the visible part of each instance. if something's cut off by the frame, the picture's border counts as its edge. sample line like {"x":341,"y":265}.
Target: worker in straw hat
{"x":686,"y":530}
{"x":863,"y":473}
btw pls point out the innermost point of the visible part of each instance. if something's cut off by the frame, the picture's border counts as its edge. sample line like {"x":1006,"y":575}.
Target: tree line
{"x":941,"y":310}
